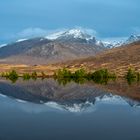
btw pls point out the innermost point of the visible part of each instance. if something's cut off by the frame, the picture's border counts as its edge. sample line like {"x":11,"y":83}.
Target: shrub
{"x":34,"y":75}
{"x":138,"y":76}
{"x":13,"y":76}
{"x":102,"y":74}
{"x":26,"y":76}
{"x":79,"y":74}
{"x":131,"y":74}
{"x":64,"y":73}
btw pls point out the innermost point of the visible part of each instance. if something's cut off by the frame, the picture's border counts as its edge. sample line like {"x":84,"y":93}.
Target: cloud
{"x":32,"y":32}
{"x":26,"y":33}
{"x":40,"y":32}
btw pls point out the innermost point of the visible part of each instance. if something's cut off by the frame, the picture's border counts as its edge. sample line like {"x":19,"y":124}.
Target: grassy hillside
{"x":117,"y":60}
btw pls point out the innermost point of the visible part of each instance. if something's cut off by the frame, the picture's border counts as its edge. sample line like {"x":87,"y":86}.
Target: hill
{"x":117,"y":60}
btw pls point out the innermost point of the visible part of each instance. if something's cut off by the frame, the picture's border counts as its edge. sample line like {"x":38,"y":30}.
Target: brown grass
{"x":117,"y":60}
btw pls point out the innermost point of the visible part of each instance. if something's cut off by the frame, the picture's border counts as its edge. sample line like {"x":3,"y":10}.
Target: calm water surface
{"x":45,"y":110}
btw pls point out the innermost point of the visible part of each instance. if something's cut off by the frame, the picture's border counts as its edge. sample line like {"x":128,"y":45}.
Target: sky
{"x":106,"y":18}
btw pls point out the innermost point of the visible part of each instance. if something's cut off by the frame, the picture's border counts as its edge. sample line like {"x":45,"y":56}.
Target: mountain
{"x":132,"y":38}
{"x":70,"y":34}
{"x":57,"y":47}
{"x":121,"y":42}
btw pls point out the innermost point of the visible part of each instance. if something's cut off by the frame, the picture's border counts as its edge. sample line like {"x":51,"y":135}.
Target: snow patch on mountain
{"x":114,"y":42}
{"x":82,"y":107}
{"x":21,"y":40}
{"x":90,"y":106}
{"x":75,"y":33}
{"x":111,"y":44}
{"x":111,"y":99}
{"x":3,"y":45}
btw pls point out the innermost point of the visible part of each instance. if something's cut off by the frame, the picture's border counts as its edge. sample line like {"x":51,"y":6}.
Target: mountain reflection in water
{"x":72,"y":97}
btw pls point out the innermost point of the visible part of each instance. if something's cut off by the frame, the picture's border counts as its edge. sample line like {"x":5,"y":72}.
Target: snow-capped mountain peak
{"x":73,"y":33}
{"x":113,"y":42}
{"x":77,"y":33}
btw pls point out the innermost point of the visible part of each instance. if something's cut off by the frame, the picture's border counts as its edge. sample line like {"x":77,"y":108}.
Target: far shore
{"x":49,"y":70}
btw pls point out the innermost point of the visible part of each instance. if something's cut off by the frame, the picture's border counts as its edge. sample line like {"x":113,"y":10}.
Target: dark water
{"x":45,"y":110}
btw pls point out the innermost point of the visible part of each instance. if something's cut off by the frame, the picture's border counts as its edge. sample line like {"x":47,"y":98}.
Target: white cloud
{"x":39,"y":32}
{"x":26,"y":33}
{"x":32,"y":32}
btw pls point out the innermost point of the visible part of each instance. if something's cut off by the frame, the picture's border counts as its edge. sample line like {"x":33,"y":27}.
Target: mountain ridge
{"x":68,"y":46}
{"x":59,"y":47}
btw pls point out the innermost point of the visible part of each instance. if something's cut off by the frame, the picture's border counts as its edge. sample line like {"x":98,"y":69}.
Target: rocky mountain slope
{"x":57,"y":47}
